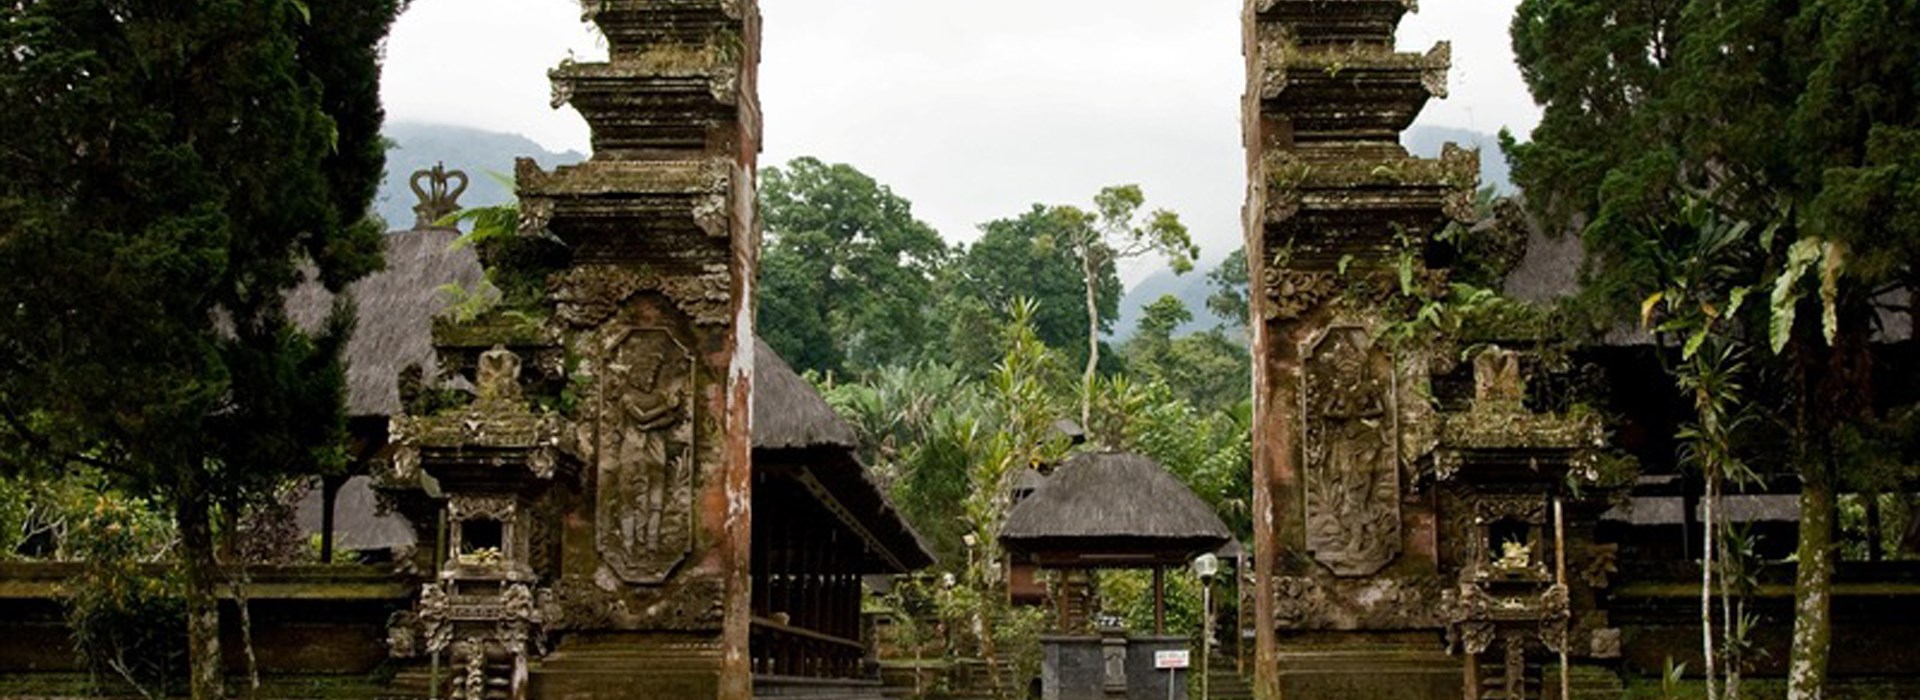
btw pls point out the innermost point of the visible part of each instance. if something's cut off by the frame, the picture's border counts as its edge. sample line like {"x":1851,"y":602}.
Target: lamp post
{"x":1206,"y":566}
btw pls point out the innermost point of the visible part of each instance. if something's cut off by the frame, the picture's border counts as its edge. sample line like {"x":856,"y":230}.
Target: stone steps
{"x":1585,"y":683}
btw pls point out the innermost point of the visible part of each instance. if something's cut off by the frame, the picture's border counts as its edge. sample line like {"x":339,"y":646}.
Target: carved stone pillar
{"x":654,"y":313}
{"x":1338,"y":220}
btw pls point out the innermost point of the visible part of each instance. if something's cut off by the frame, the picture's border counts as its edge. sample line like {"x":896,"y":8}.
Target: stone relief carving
{"x":498,"y":376}
{"x":644,"y":451}
{"x":589,"y":296}
{"x":1497,"y":382}
{"x":1469,"y":613}
{"x":1351,"y":461}
{"x":1306,"y":602}
{"x":1293,"y":293}
{"x":435,"y":626}
{"x":1555,"y":613}
{"x":1515,"y":680}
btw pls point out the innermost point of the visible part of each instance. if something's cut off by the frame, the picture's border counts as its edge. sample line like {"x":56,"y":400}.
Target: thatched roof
{"x":396,"y":309}
{"x":358,"y":523}
{"x":787,"y":412}
{"x":1115,"y":503}
{"x":795,"y":430}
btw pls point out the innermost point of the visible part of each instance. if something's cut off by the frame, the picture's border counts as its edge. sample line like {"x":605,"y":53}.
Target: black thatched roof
{"x":1113,"y":503}
{"x":396,"y":309}
{"x":787,"y":412}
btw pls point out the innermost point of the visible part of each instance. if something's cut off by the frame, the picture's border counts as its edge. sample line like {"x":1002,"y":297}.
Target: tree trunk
{"x":193,"y":516}
{"x":1093,"y":342}
{"x":1813,"y":586}
{"x":1706,"y":574}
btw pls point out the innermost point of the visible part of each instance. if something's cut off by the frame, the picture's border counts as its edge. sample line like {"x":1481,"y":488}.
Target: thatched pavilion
{"x":1110,"y":510}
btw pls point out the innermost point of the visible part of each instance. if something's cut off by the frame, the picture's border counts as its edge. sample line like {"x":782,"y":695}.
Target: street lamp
{"x":1206,"y":566}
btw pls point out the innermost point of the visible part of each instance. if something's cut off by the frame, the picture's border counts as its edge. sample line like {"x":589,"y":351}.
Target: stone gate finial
{"x":439,"y":198}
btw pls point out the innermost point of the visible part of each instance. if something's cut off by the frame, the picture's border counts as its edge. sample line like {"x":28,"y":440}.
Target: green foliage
{"x":1024,"y":257}
{"x":173,"y":171}
{"x":517,"y":266}
{"x":1128,"y":596}
{"x":1208,"y":449}
{"x":1710,"y":148}
{"x":1229,"y":299}
{"x":1206,"y":369}
{"x":126,"y":617}
{"x":920,"y":427}
{"x":847,"y":273}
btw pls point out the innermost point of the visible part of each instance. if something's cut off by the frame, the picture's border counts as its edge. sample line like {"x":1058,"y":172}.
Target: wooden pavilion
{"x":1109,"y":510}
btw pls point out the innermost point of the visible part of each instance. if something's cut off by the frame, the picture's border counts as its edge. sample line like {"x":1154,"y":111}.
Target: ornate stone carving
{"x":1497,"y":383}
{"x":1515,"y":676}
{"x":520,"y":620}
{"x":1293,"y":293}
{"x":439,"y":198}
{"x":1313,"y":603}
{"x":1555,"y":612}
{"x":1486,"y":558}
{"x":589,"y":296}
{"x":1469,"y":613}
{"x":1597,"y":568}
{"x":644,"y":451}
{"x":1351,"y":458}
{"x":403,"y":635}
{"x":498,"y":376}
{"x":434,"y":625}
{"x":1433,"y":71}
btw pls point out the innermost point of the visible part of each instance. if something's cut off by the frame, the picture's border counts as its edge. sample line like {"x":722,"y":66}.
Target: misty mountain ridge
{"x":477,"y":152}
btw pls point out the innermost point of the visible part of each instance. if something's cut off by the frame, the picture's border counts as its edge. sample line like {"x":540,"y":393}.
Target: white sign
{"x":1165,"y":660}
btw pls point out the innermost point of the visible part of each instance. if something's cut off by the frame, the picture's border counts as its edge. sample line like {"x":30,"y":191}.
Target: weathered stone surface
{"x":1352,"y":461}
{"x":605,"y":532}
{"x":1338,"y":224}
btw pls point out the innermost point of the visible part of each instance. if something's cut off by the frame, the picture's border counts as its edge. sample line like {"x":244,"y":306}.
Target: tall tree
{"x":1796,"y":117}
{"x":1229,"y":281}
{"x":1023,"y":257}
{"x":173,"y":167}
{"x":847,"y":274}
{"x":1112,"y":232}
{"x":1208,"y":370}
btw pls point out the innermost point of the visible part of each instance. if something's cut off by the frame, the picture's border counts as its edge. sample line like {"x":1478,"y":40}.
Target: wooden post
{"x":1159,"y":599}
{"x":1472,"y":677}
{"x":1560,"y":575}
{"x":329,"y":496}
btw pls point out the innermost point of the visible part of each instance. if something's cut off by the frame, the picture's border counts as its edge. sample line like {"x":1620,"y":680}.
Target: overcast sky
{"x":973,"y":110}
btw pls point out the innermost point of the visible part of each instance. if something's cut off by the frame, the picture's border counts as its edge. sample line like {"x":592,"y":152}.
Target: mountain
{"x":478,"y":152}
{"x":1191,"y":288}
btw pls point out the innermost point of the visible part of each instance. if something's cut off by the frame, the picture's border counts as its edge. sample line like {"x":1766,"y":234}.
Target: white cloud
{"x":972,"y":110}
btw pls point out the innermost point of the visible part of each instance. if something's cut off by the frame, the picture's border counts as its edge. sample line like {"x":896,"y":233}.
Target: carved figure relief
{"x":1497,"y":383}
{"x":644,"y":504}
{"x":1351,"y":465}
{"x":498,"y":376}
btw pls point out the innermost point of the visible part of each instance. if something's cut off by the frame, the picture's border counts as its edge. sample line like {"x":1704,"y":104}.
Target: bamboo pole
{"x":1560,"y":569}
